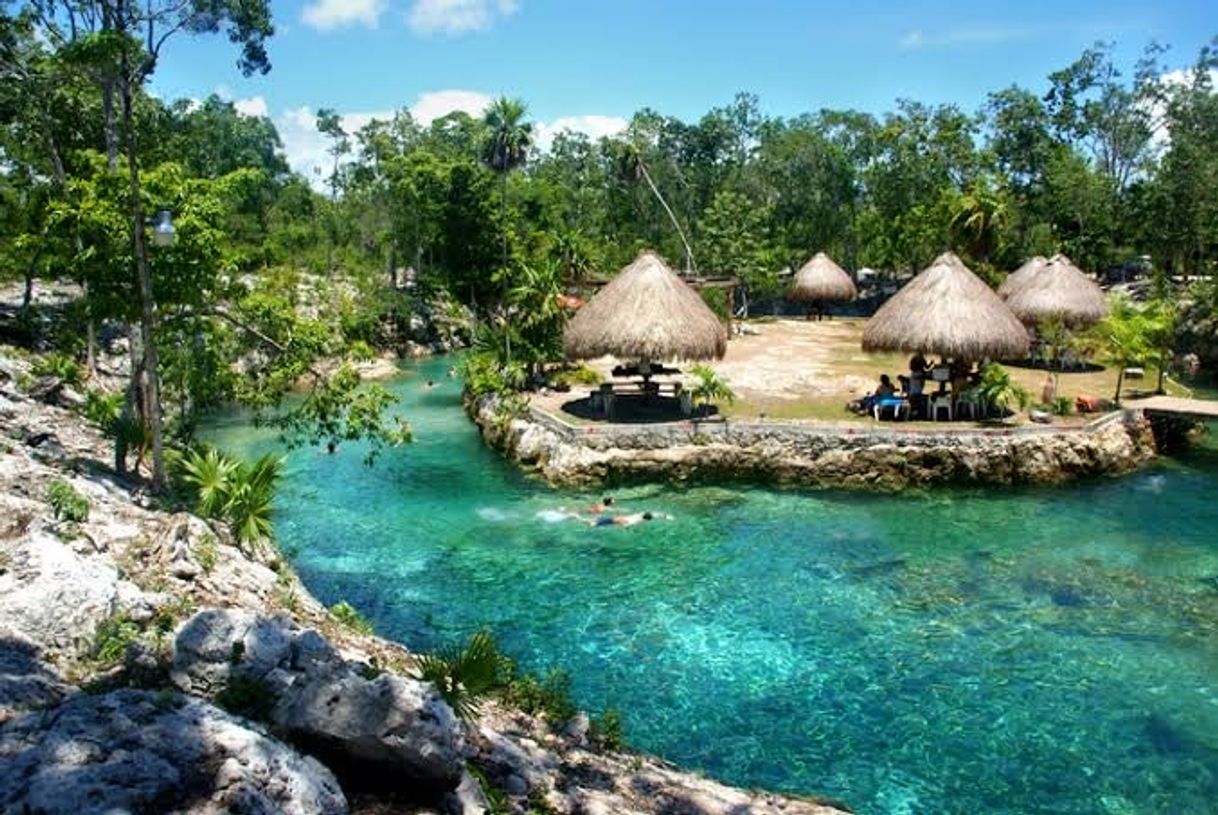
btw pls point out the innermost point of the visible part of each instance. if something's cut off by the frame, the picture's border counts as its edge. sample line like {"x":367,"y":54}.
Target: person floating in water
{"x":430,"y":384}
{"x":621,"y":520}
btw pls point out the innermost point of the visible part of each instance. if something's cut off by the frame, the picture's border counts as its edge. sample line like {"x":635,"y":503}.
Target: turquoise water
{"x":1012,"y":651}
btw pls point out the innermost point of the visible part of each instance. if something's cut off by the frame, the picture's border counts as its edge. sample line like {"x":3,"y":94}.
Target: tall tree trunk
{"x":689,"y":253}
{"x":1120,"y":381}
{"x":507,"y":327}
{"x":152,"y":385}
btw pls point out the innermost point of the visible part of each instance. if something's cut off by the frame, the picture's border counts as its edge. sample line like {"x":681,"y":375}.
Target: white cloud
{"x":305,"y":148}
{"x":965,"y":35}
{"x":254,"y":106}
{"x":326,"y":15}
{"x":593,"y":125}
{"x":434,"y":104}
{"x":428,"y":17}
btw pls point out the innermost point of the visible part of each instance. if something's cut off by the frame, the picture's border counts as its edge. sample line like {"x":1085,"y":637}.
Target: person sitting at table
{"x":886,"y":390}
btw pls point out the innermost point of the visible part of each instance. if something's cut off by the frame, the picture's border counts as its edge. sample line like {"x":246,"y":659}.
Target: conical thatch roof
{"x":1020,"y":276}
{"x":645,"y":313}
{"x":822,"y":279}
{"x":947,"y":310}
{"x":1057,"y":289}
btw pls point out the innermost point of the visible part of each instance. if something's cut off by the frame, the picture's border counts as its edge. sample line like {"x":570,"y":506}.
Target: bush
{"x":102,"y":409}
{"x":605,"y":731}
{"x":207,"y":553}
{"x":583,"y":375}
{"x":243,"y":494}
{"x":112,"y":638}
{"x":464,"y":675}
{"x":1062,"y":406}
{"x":349,"y":616}
{"x":66,"y":503}
{"x":59,"y":366}
{"x":550,"y":696}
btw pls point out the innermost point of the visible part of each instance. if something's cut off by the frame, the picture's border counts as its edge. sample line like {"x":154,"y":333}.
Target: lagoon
{"x":962,"y":650}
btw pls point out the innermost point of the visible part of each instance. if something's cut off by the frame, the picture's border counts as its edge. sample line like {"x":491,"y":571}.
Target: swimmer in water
{"x":622,"y":520}
{"x":606,"y":505}
{"x":430,"y":384}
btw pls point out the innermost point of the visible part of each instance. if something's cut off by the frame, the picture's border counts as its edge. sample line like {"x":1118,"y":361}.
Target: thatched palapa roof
{"x":1057,"y":290}
{"x":947,"y":310}
{"x":822,"y":279}
{"x":646,"y":313}
{"x":1020,"y":276}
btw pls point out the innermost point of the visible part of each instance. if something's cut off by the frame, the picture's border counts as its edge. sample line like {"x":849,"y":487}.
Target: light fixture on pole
{"x":163,"y":233}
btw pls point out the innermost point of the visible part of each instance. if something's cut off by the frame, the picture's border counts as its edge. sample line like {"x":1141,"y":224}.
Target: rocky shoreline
{"x":882,"y":458}
{"x":148,"y":663}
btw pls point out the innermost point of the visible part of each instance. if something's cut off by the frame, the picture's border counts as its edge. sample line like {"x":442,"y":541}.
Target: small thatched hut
{"x":648,"y":314}
{"x":1057,"y":290}
{"x":1020,"y":276}
{"x":947,"y":310}
{"x":819,"y":280}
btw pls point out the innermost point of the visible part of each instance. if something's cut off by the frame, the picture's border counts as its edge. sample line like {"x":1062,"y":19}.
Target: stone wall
{"x":881,"y":457}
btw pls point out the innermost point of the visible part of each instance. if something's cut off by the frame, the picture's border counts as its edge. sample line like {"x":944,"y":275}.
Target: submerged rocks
{"x":137,"y":751}
{"x":384,"y":725}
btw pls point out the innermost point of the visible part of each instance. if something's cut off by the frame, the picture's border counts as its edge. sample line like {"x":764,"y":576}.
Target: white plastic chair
{"x":939,"y":402}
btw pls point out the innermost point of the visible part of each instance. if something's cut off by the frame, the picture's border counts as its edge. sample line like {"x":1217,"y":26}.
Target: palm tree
{"x":979,"y":217}
{"x":506,"y":149}
{"x":634,"y":168}
{"x":508,"y":146}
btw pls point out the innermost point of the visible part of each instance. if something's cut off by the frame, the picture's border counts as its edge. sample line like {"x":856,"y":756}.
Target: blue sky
{"x":589,"y":64}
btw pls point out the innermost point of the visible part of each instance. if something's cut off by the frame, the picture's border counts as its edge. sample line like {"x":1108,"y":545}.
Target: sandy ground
{"x":795,"y":369}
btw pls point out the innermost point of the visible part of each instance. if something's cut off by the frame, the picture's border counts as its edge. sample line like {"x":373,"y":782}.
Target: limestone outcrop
{"x":388,"y":725}
{"x":138,"y":751}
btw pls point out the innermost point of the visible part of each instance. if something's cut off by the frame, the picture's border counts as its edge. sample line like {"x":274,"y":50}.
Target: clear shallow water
{"x":1015,"y":651}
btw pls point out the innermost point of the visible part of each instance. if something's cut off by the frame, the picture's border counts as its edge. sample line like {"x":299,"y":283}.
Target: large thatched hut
{"x":1056,"y":289}
{"x":1020,"y":276}
{"x":819,"y":280}
{"x":648,"y":314}
{"x":949,"y":311}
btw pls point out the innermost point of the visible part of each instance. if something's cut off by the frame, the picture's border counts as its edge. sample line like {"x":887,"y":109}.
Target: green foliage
{"x":605,"y":731}
{"x":207,"y":552}
{"x":997,"y":388}
{"x":66,"y":503}
{"x":550,"y":696}
{"x":1133,"y":335}
{"x":710,"y":387}
{"x":580,"y":375}
{"x":112,"y":638}
{"x":59,"y":367}
{"x":1062,"y":406}
{"x":241,"y":493}
{"x":247,"y":697}
{"x":349,"y":616}
{"x":484,"y":374}
{"x":102,"y":409}
{"x":464,"y":675}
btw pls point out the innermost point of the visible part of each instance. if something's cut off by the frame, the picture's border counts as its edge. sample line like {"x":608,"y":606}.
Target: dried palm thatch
{"x":947,"y":310}
{"x":646,"y":313}
{"x":1020,"y":276}
{"x":1058,"y":290}
{"x":822,"y":279}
